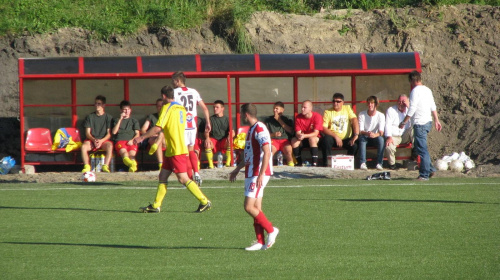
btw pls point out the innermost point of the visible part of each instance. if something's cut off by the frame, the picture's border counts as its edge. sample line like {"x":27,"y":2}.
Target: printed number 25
{"x":187,"y":101}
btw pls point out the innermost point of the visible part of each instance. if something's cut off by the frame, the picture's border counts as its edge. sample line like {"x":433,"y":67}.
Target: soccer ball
{"x":441,"y":165}
{"x":88,"y":176}
{"x":469,"y":164}
{"x":456,"y":165}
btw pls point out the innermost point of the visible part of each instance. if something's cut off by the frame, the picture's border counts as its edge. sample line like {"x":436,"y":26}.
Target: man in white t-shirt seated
{"x":371,"y":130}
{"x":394,"y":135}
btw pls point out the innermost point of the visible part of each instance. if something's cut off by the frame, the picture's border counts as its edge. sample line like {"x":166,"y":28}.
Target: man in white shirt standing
{"x":422,"y":109}
{"x":394,"y":135}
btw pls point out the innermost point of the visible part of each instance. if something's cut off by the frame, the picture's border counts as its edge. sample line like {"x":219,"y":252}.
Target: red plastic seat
{"x":75,"y":136}
{"x":38,"y":140}
{"x":243,"y":129}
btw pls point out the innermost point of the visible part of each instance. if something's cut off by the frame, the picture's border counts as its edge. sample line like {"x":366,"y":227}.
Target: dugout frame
{"x":40,"y":81}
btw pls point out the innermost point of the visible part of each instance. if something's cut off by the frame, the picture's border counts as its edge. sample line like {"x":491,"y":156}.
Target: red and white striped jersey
{"x":189,"y":98}
{"x":257,"y":137}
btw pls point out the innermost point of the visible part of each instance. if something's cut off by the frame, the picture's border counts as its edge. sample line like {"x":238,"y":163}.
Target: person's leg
{"x":296,"y":150}
{"x":390,"y":150}
{"x":209,"y":153}
{"x":287,"y":152}
{"x":327,"y":143}
{"x":313,"y":143}
{"x":363,"y":140}
{"x":380,"y":144}
{"x":161,"y":191}
{"x":85,"y":149}
{"x":420,"y":135}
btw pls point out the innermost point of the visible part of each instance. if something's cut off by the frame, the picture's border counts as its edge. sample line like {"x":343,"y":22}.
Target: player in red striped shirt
{"x":258,"y":171}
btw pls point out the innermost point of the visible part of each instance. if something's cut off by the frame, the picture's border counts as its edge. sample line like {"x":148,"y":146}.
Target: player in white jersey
{"x":258,"y":170}
{"x":190,"y":99}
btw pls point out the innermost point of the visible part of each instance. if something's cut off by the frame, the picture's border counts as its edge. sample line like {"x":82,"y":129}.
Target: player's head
{"x":307,"y":107}
{"x":338,"y":101}
{"x":178,"y":79}
{"x":372,"y":99}
{"x":249,"y":111}
{"x":99,"y":102}
{"x":167,"y":93}
{"x":125,"y":108}
{"x":219,"y":107}
{"x":279,"y":107}
{"x":159,"y":104}
{"x":414,"y":77}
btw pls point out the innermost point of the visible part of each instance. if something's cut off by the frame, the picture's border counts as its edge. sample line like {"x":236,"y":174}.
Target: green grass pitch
{"x":447,"y":228}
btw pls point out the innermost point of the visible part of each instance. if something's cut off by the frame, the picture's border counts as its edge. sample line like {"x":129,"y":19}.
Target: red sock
{"x":193,"y":158}
{"x":189,"y":169}
{"x":264,"y":222}
{"x":259,"y":232}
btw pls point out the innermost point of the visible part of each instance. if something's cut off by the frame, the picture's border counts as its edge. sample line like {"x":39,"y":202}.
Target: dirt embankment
{"x":459,"y":46}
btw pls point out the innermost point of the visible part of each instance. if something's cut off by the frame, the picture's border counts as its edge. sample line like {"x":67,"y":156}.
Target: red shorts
{"x":279,"y":144}
{"x":123,"y":145}
{"x":176,"y":164}
{"x":198,"y":144}
{"x":93,"y":149}
{"x":219,"y":145}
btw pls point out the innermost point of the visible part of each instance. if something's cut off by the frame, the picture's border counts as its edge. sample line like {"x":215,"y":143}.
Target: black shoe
{"x":393,"y":167}
{"x":432,"y":174}
{"x":387,"y":176}
{"x":203,"y":208}
{"x":149,"y":209}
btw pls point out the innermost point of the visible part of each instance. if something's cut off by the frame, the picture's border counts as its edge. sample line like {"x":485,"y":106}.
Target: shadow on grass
{"x":65,"y":208}
{"x":118,"y":246}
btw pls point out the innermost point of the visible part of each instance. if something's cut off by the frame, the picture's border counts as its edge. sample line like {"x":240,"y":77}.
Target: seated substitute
{"x":308,"y":125}
{"x":218,"y":138}
{"x":371,"y":126}
{"x":125,"y":130}
{"x":97,"y":127}
{"x":281,"y":129}
{"x":156,"y":143}
{"x":394,"y":135}
{"x":340,"y":128}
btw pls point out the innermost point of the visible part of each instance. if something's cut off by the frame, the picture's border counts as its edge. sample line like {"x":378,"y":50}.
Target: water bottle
{"x":279,"y":157}
{"x":306,"y":163}
{"x":234,"y":159}
{"x":93,"y":162}
{"x":220,"y":160}
{"x":112,"y":163}
{"x":6,"y":165}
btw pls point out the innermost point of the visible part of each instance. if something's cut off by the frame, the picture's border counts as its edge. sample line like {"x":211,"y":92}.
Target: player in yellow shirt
{"x":172,"y":120}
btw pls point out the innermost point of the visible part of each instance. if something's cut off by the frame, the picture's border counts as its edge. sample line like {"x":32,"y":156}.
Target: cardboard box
{"x":341,"y":162}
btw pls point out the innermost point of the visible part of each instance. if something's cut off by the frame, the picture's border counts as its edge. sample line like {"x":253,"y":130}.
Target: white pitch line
{"x":237,"y":186}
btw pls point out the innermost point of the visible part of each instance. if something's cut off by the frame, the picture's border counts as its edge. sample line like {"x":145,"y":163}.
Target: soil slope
{"x":459,"y":47}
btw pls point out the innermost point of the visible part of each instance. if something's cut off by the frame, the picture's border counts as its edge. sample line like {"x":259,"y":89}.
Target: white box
{"x":341,"y":162}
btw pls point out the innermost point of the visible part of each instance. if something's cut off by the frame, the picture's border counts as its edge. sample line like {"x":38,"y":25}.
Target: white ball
{"x":88,"y":176}
{"x":469,"y":164}
{"x":456,"y":165}
{"x":441,"y":165}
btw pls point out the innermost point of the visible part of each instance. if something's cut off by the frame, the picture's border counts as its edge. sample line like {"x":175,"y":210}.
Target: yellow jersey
{"x":172,"y":120}
{"x":339,"y":122}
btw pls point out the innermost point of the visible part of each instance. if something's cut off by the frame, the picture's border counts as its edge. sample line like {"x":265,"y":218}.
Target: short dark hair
{"x":338,"y":95}
{"x":124,"y":103}
{"x":279,"y":104}
{"x":168,"y":91}
{"x":218,"y":101}
{"x":373,"y":99}
{"x":158,"y":100}
{"x":179,"y":75}
{"x":249,"y":108}
{"x":415,"y":76}
{"x":101,"y":98}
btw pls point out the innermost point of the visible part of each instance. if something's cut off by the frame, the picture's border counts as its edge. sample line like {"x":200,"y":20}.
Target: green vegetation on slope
{"x":109,"y":17}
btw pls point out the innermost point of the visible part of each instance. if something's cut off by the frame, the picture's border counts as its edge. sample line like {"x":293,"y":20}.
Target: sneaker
{"x":290,"y":163}
{"x":153,"y":149}
{"x":133,"y":167}
{"x":105,"y":168}
{"x":432,"y":174}
{"x":197,"y":179}
{"x":203,"y":208}
{"x":422,"y":179}
{"x":363,"y":166}
{"x":392,"y":167}
{"x":387,"y":175}
{"x":271,"y":237}
{"x":256,"y":246}
{"x":379,"y":166}
{"x":149,"y":209}
{"x":86,"y":168}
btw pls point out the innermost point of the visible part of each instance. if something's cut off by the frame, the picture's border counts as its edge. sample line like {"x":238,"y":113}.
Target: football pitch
{"x":447,"y":228}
